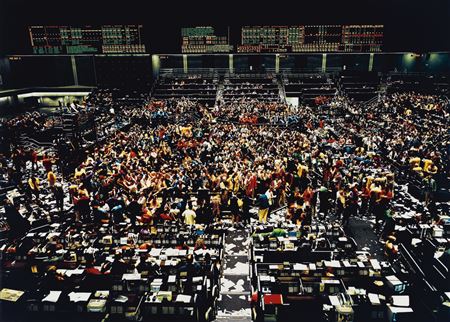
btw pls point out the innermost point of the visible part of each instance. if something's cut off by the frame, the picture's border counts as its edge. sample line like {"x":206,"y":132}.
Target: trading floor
{"x":213,"y":198}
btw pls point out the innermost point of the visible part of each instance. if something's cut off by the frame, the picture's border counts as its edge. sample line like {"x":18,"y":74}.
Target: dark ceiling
{"x":410,"y":25}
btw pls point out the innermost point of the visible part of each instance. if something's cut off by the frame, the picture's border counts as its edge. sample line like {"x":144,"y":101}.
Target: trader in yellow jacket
{"x":33,"y":183}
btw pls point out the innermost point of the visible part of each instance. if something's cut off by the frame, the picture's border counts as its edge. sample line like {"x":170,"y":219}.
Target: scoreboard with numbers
{"x":311,"y":38}
{"x":105,"y":39}
{"x":270,"y":38}
{"x":362,"y":38}
{"x":323,"y":38}
{"x":204,"y":40}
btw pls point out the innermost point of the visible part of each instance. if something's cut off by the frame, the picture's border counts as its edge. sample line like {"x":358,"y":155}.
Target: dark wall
{"x":136,"y":71}
{"x":314,"y":62}
{"x":123,"y":71}
{"x":168,"y":61}
{"x":86,"y":70}
{"x":241,"y":62}
{"x":295,"y":62}
{"x":28,"y":71}
{"x":35,"y":71}
{"x":4,"y":72}
{"x":436,"y":63}
{"x":207,"y":61}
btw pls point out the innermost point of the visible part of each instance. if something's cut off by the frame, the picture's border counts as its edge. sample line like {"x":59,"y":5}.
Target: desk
{"x":182,"y":305}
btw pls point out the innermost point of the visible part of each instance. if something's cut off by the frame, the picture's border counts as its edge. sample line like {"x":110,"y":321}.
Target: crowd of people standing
{"x":340,"y":160}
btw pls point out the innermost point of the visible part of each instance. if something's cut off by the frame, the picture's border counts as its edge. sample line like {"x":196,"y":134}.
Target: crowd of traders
{"x":412,"y":130}
{"x":337,"y":161}
{"x":25,"y":123}
{"x":179,"y":162}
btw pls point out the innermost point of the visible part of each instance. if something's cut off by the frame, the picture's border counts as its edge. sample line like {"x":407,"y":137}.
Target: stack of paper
{"x":52,"y":297}
{"x":79,"y":296}
{"x":172,"y":252}
{"x":374,"y":298}
{"x":102,"y":294}
{"x":155,"y":252}
{"x":71,"y":272}
{"x":333,"y":263}
{"x":300,"y":267}
{"x":183,"y":298}
{"x":334,"y":300}
{"x":375,"y":264}
{"x":131,"y":277}
{"x":10,"y":295}
{"x":400,"y":300}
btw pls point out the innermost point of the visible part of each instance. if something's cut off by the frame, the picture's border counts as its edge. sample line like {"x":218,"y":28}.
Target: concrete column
{"x":185,"y":63}
{"x":74,"y":70}
{"x":230,"y":63}
{"x":324,"y":63}
{"x":277,"y":63}
{"x":371,"y":61}
{"x":156,"y":65}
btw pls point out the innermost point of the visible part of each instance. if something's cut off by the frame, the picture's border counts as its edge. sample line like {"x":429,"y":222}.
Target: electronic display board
{"x":106,"y":39}
{"x":362,"y":38}
{"x":311,"y":38}
{"x":204,"y":39}
{"x":270,"y":38}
